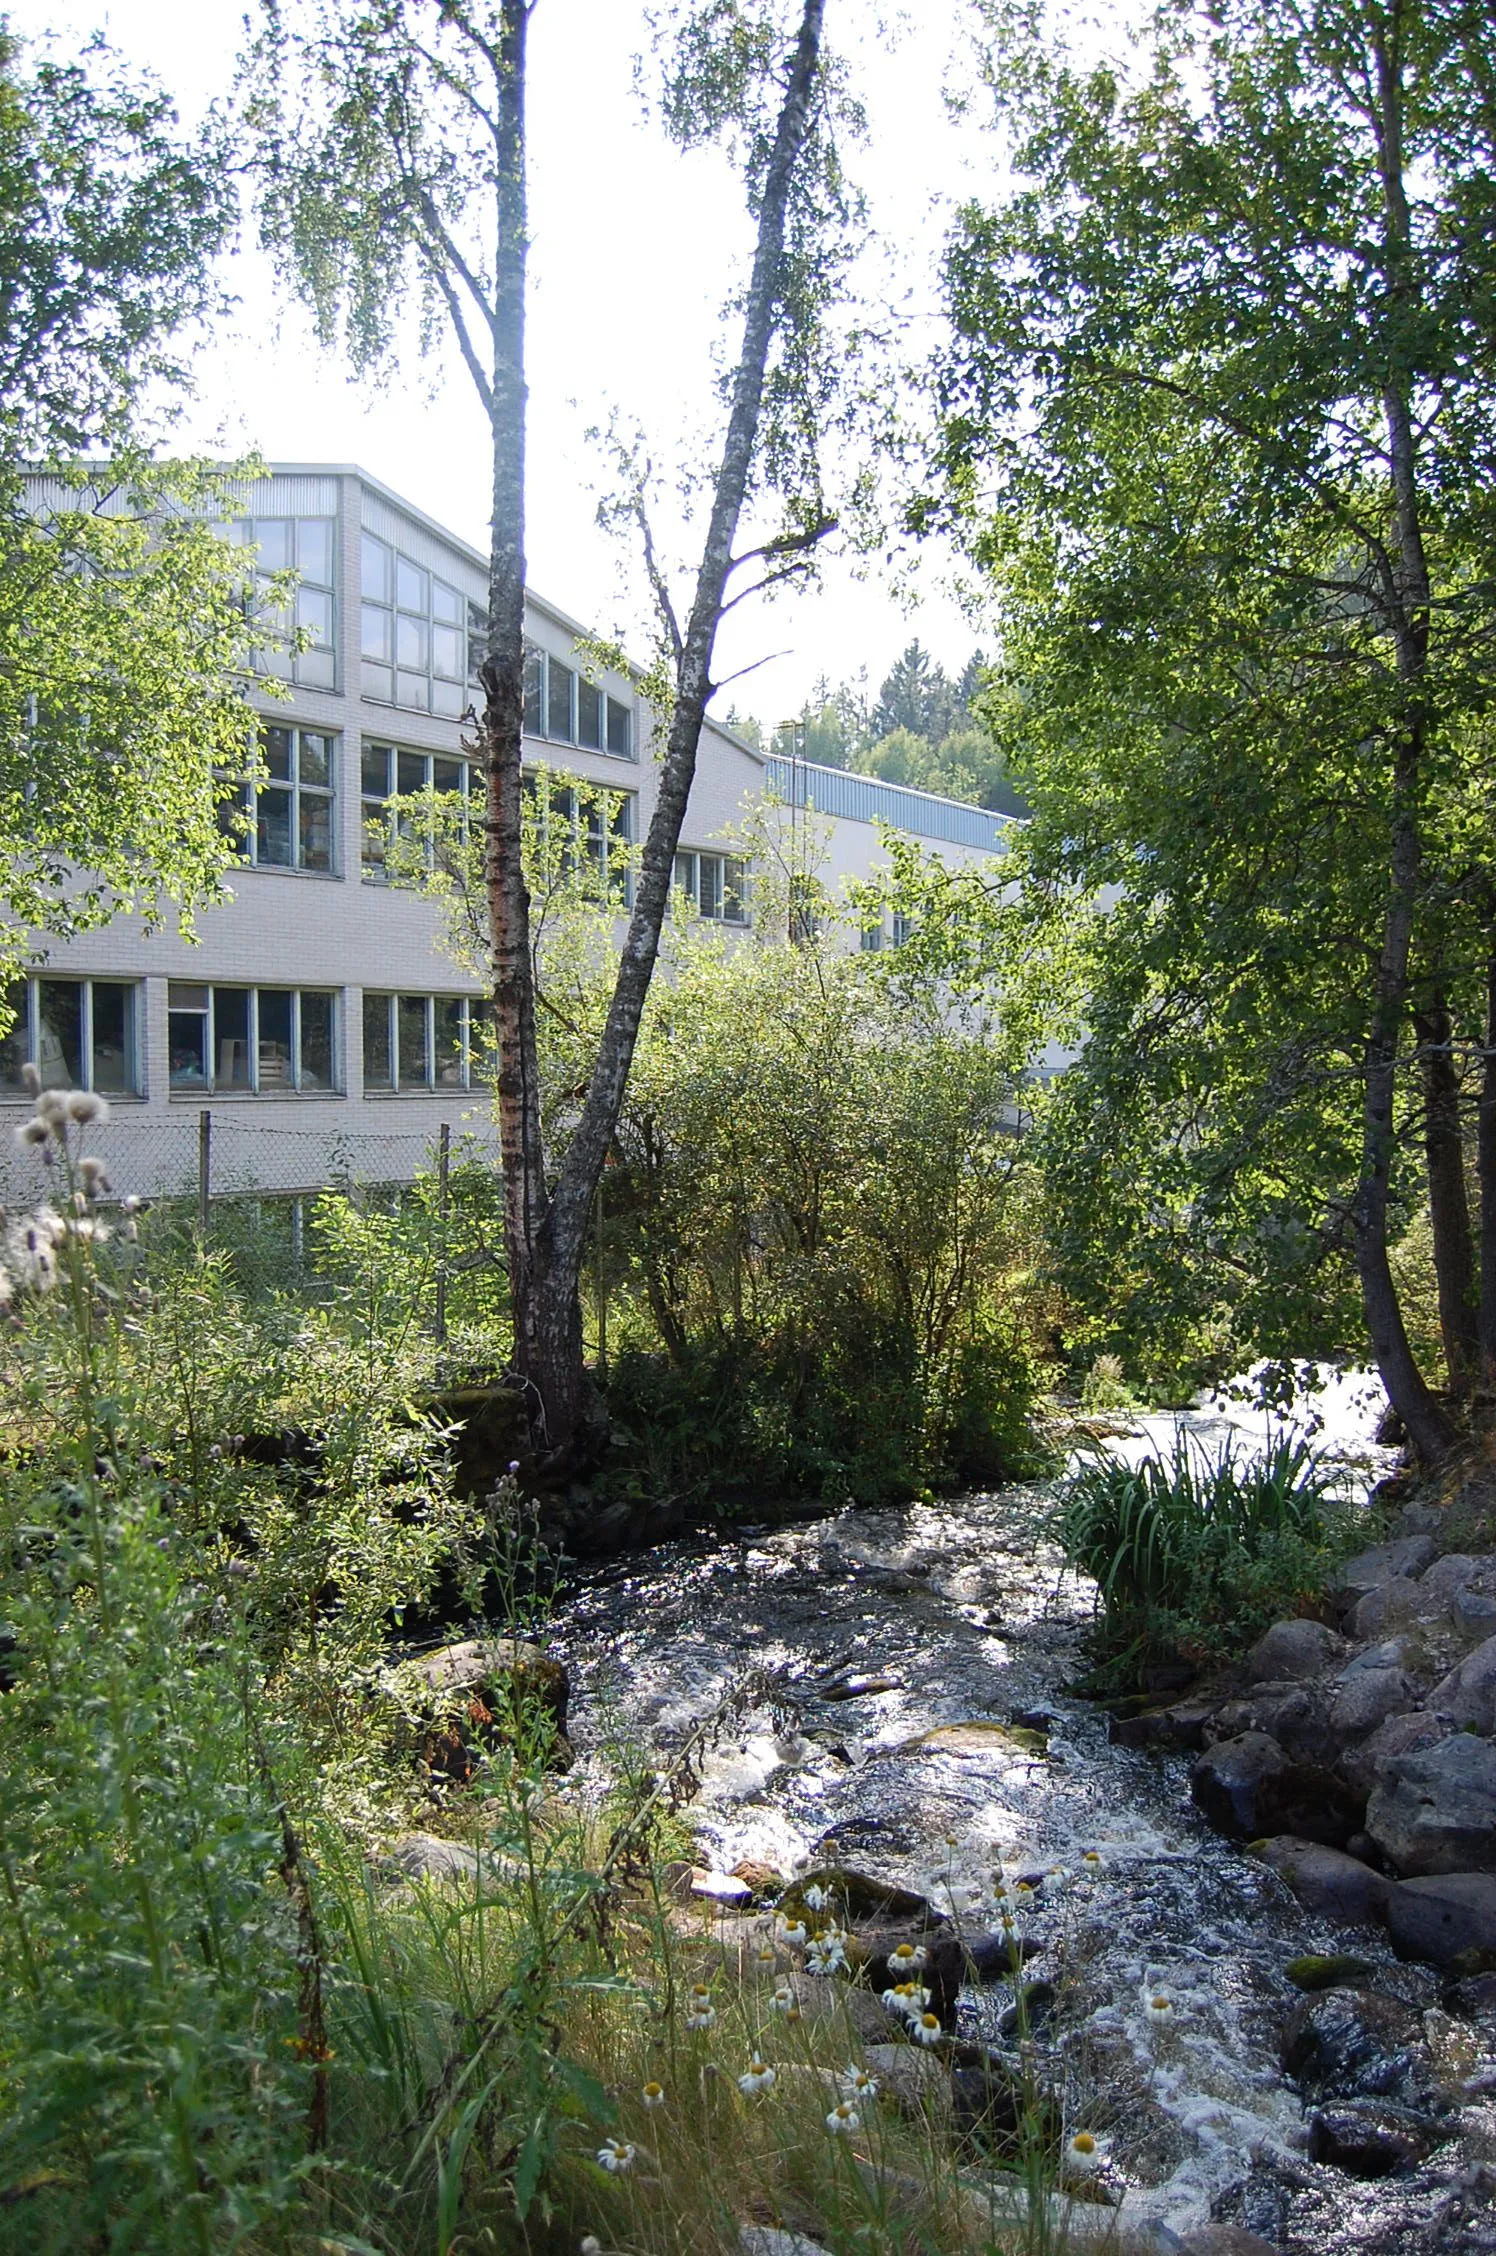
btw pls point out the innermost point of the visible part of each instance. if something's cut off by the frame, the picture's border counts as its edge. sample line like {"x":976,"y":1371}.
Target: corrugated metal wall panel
{"x":856,"y":798}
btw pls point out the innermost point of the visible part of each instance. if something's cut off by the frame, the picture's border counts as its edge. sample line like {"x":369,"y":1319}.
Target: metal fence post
{"x":204,"y":1171}
{"x":443,"y":1189}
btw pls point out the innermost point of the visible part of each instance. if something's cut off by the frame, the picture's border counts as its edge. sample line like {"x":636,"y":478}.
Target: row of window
{"x":565,"y":708}
{"x":260,"y":1041}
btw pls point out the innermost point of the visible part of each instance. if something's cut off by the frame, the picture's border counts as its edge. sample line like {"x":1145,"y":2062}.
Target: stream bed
{"x":976,"y":1625}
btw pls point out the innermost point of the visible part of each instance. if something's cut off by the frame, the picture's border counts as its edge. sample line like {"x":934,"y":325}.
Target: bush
{"x":1192,"y":1554}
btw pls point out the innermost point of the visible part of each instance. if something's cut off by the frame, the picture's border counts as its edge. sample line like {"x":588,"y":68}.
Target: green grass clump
{"x":1194,"y":1555}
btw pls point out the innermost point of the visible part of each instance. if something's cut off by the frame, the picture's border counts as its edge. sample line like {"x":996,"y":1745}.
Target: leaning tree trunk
{"x":550,"y":1351}
{"x":501,"y":727}
{"x":1485,"y":1157}
{"x":1449,"y":1203}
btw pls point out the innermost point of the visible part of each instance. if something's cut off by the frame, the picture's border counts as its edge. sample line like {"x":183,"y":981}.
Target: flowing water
{"x":975,"y":1621}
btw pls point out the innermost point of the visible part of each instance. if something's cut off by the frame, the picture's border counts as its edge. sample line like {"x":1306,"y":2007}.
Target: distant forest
{"x":920,"y":729}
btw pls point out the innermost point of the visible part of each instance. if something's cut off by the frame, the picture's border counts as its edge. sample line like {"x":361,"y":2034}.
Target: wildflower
{"x":907,"y":1998}
{"x":1093,"y":1864}
{"x":815,"y":1898}
{"x":783,"y":2000}
{"x":653,"y":2095}
{"x":95,"y":1177}
{"x":766,"y":1955}
{"x":589,"y":2245}
{"x":1160,"y":2008}
{"x":1023,"y":1893}
{"x":52,"y":1106}
{"x":926,"y":2028}
{"x":795,"y":1933}
{"x":906,"y":1960}
{"x":616,"y":2155}
{"x":951,"y":1841}
{"x":31,"y":1080}
{"x":1084,"y":2155}
{"x":5,"y":1288}
{"x":843,"y":2119}
{"x":131,"y":1205}
{"x":700,"y":2011}
{"x":514,"y":1464}
{"x":86,"y":1109}
{"x":856,"y":2082}
{"x":31,"y":1133}
{"x":759,"y":2078}
{"x":828,"y":1953}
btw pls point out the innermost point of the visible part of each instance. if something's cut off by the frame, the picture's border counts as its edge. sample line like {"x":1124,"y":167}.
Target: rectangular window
{"x":715,"y":884}
{"x":78,"y":1033}
{"x":534,"y":691}
{"x":589,"y":716}
{"x":287,"y":822}
{"x":308,"y":547}
{"x":417,"y":635}
{"x":417,"y":1042}
{"x":589,"y":829}
{"x":620,"y":730}
{"x":386,"y":768}
{"x":265,"y":1040}
{"x":558,"y":720}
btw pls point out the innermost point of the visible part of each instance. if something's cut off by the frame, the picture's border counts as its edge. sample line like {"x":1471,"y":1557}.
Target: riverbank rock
{"x":1435,"y":1810}
{"x":1405,"y":1557}
{"x":1361,"y":1765}
{"x":1327,"y":1881}
{"x":1370,"y":1688}
{"x":462,"y":1698}
{"x":1368,"y":2139}
{"x":1296,"y":1715}
{"x":1247,"y":1788}
{"x":1292,"y":1650}
{"x":1351,"y":2044}
{"x":1468,"y":1694}
{"x":1447,"y":1919}
{"x":1226,"y":2240}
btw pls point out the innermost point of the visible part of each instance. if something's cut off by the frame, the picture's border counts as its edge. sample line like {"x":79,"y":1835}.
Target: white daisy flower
{"x":843,"y":2119}
{"x":907,"y":1959}
{"x":700,"y":2011}
{"x":759,"y":2077}
{"x":856,"y":2082}
{"x":616,"y":2155}
{"x":1160,"y":2008}
{"x":1093,"y":1864}
{"x":815,"y":1898}
{"x":783,"y":2000}
{"x":1084,"y":2155}
{"x":907,"y":1998}
{"x":828,"y":1953}
{"x":926,"y":2029}
{"x":795,"y":1933}
{"x":653,"y":2095}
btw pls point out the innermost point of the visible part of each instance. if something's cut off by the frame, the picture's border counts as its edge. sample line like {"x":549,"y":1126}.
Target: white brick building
{"x":317,"y":1019}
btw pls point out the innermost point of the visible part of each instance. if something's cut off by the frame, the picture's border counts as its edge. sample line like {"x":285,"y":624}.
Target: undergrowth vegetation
{"x":1195,"y":1554}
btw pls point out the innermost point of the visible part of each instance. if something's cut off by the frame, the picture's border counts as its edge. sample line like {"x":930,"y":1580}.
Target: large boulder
{"x":463,"y":1698}
{"x":1367,"y":2138}
{"x":1395,"y":1605}
{"x":1247,"y":1788}
{"x":1296,"y":1715}
{"x":1361,"y":1764}
{"x":1447,"y":1919}
{"x":1383,"y":1562}
{"x":1435,"y":1810}
{"x":1292,"y":1650}
{"x":1372,"y":1687}
{"x":1451,"y":1573}
{"x":1326,"y":1881}
{"x":1352,"y":2044}
{"x":1468,"y":1694}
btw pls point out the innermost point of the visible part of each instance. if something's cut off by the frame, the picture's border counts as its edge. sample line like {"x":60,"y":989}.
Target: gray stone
{"x":1327,"y":1881}
{"x":1369,"y":2139}
{"x":1292,"y":1650}
{"x":773,"y":2240}
{"x":1407,"y":1555}
{"x":1473,"y":1612}
{"x":1226,"y":2240}
{"x":1402,"y":1734}
{"x":1247,"y":1789}
{"x":426,"y":1856}
{"x":1352,"y":2044}
{"x":1449,"y":1574}
{"x":1393,"y":1605}
{"x":1366,"y":1697}
{"x":1468,"y":1694}
{"x":1294,"y":1714}
{"x":1435,"y":1810}
{"x":1447,"y":1919}
{"x":914,"y":2079}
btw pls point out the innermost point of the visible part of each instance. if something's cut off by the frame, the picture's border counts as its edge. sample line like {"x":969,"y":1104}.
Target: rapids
{"x":977,"y":1622}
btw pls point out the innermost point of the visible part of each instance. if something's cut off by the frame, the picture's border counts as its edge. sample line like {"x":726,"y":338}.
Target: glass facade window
{"x":715,"y":884}
{"x":591,"y":826}
{"x":388,"y":769}
{"x":262,"y":1041}
{"x":308,"y":547}
{"x":413,"y":633}
{"x":418,"y":1042}
{"x":78,"y":1033}
{"x":287,"y":821}
{"x":562,"y":706}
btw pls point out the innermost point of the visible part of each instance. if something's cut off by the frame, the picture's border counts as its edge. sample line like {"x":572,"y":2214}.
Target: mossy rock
{"x":978,"y":1735}
{"x":484,"y":1692}
{"x":855,"y":1898}
{"x":1325,"y":1971}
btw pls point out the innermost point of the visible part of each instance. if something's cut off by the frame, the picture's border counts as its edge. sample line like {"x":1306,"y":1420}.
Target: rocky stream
{"x":920,"y":1731}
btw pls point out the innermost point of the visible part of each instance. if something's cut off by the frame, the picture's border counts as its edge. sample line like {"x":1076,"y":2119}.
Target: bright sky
{"x":631,"y":258}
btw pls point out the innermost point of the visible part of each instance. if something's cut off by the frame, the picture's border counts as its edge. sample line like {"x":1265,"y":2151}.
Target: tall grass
{"x":1193,"y":1553}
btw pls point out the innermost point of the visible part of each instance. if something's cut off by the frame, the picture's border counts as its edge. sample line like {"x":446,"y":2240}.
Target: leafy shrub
{"x":1193,"y":1554}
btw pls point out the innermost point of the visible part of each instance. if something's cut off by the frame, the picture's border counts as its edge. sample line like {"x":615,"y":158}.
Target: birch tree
{"x":391,"y":140}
